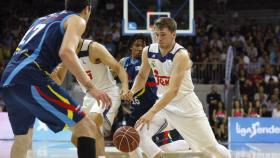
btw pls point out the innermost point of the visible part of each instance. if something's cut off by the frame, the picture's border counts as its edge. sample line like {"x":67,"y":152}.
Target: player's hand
{"x":126,"y":107}
{"x":145,"y":119}
{"x":127,"y":96}
{"x":123,"y":92}
{"x":101,"y":98}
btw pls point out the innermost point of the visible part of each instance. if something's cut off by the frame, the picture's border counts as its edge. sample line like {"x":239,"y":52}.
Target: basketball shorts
{"x":50,"y":104}
{"x":90,"y":105}
{"x":143,"y":101}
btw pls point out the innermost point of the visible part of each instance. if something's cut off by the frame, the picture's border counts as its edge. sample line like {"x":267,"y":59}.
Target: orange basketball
{"x":126,"y":139}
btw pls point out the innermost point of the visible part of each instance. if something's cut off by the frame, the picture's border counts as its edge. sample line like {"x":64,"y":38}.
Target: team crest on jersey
{"x":153,"y":63}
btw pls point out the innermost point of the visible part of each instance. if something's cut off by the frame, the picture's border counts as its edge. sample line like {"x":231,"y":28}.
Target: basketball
{"x":126,"y":139}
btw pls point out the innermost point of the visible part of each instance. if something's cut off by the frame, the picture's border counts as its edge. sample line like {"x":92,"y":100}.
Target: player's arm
{"x":143,"y":73}
{"x":181,"y":63}
{"x":106,"y":58}
{"x":59,"y":73}
{"x":75,"y":26}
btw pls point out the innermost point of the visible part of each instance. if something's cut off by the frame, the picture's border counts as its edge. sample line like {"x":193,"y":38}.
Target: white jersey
{"x":99,"y":74}
{"x":162,"y":67}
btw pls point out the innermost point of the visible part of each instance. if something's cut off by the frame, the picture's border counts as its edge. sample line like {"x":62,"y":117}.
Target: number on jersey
{"x":31,"y":33}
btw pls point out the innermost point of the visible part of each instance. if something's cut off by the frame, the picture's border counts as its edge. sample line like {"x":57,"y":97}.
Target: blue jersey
{"x":146,"y":97}
{"x":132,"y":67}
{"x":37,"y":53}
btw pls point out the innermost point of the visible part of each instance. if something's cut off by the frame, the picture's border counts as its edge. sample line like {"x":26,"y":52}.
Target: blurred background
{"x":235,"y":47}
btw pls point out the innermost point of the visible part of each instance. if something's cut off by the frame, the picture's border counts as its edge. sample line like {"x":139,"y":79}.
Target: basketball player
{"x":177,"y":101}
{"x":168,"y":140}
{"x":28,"y":90}
{"x":96,"y":61}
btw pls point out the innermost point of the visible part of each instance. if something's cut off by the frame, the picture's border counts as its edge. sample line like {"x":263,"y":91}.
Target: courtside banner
{"x":254,"y":130}
{"x":42,"y":132}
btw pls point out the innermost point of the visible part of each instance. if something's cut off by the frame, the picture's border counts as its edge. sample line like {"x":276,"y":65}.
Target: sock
{"x":101,"y":157}
{"x":86,"y":147}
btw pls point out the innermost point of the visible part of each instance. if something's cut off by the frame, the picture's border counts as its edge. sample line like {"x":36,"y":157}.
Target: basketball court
{"x":139,"y":17}
{"x":59,"y":149}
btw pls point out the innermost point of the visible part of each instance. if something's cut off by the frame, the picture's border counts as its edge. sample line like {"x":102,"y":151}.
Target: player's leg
{"x":21,"y":120}
{"x":170,"y":141}
{"x":200,"y":135}
{"x":109,"y":115}
{"x":94,"y":114}
{"x":104,"y":118}
{"x":30,"y":134}
{"x":100,"y":143}
{"x":58,"y":110}
{"x":85,"y":133}
{"x":137,"y":153}
{"x":146,"y":143}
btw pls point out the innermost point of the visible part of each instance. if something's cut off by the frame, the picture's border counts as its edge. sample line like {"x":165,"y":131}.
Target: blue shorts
{"x":50,"y":104}
{"x":145,"y":100}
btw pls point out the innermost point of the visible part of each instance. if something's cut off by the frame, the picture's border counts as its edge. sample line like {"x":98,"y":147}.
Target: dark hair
{"x":77,"y":5}
{"x":165,"y":22}
{"x":137,"y":37}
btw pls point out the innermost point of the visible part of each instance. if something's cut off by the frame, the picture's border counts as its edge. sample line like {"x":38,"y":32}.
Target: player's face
{"x":137,"y":48}
{"x":164,"y":37}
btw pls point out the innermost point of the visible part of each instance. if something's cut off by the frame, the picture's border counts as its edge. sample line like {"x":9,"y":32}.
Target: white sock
{"x":101,"y":157}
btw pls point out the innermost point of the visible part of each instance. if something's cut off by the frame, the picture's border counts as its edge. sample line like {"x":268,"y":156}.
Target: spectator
{"x":253,"y":66}
{"x":253,"y":111}
{"x":258,"y":108}
{"x":269,"y":75}
{"x":216,"y":43}
{"x":237,"y":110}
{"x":265,"y":112}
{"x":110,"y":45}
{"x":272,"y":102}
{"x":276,"y":111}
{"x":212,"y":99}
{"x":260,"y":95}
{"x":251,"y":50}
{"x":220,"y":119}
{"x":246,"y":103}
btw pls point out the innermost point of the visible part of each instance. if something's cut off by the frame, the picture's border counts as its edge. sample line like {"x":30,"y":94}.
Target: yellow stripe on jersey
{"x":142,"y":92}
{"x":69,"y":112}
{"x":46,"y":72}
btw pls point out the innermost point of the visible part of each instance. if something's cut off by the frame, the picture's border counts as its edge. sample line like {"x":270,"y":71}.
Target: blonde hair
{"x":166,"y":22}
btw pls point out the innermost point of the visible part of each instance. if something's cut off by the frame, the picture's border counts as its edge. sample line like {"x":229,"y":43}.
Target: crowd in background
{"x":256,"y":46}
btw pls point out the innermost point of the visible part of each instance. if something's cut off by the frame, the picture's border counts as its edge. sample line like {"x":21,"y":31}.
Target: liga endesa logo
{"x":256,"y":129}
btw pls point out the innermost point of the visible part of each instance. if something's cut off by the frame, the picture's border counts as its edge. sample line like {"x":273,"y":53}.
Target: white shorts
{"x":194,"y":128}
{"x":179,"y":145}
{"x":90,"y":104}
